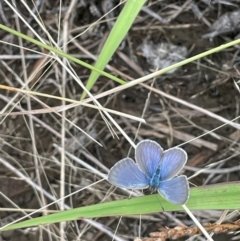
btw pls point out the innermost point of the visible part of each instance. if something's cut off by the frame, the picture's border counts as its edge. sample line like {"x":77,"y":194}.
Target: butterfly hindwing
{"x":126,"y":174}
{"x":175,"y":190}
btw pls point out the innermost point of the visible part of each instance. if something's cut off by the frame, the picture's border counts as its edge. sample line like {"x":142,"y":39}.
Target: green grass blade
{"x":59,"y":52}
{"x":78,"y":61}
{"x":117,"y":34}
{"x":215,"y":197}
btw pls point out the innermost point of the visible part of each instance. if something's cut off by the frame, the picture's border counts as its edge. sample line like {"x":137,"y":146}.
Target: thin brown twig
{"x":180,"y":231}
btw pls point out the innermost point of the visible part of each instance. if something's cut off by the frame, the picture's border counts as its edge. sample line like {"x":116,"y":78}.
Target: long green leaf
{"x":215,"y":197}
{"x":117,"y":34}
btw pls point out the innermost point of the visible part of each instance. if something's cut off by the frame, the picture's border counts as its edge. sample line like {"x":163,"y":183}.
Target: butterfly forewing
{"x":126,"y":174}
{"x":175,"y":190}
{"x":172,"y":162}
{"x":148,"y":155}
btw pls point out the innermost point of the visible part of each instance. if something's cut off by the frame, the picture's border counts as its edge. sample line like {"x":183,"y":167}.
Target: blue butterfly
{"x":156,"y":169}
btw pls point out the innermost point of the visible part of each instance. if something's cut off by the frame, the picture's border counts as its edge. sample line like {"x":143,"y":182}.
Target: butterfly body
{"x":155,"y":180}
{"x":155,"y":169}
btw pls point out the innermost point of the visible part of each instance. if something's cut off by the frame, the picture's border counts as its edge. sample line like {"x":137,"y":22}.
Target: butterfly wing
{"x":175,"y":190}
{"x":126,"y":174}
{"x":148,"y":155}
{"x":172,"y":162}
